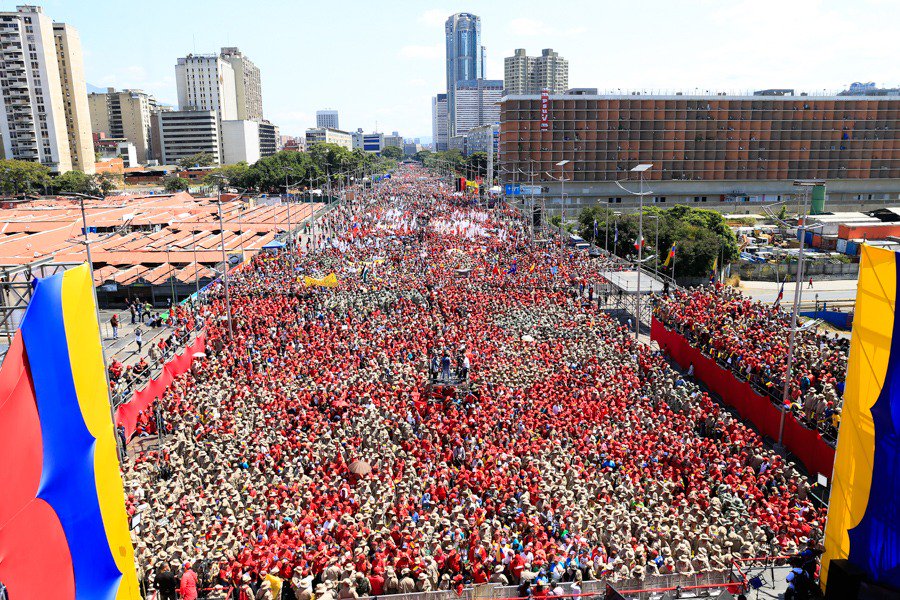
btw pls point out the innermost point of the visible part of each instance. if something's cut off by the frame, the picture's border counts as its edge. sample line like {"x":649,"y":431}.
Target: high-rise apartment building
{"x":477,"y":103}
{"x":206,"y":82}
{"x":74,"y":93}
{"x":327,"y":118}
{"x":439,"y":122}
{"x":124,"y":114}
{"x":523,"y":74}
{"x":465,"y":57}
{"x":43,"y":100}
{"x":247,"y":85}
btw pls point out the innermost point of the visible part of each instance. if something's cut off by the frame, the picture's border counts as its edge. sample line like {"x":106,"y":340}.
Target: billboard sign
{"x":545,"y":110}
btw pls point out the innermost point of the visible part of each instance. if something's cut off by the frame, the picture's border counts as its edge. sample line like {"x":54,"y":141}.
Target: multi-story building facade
{"x":477,"y":103}
{"x":327,"y":135}
{"x":74,"y":93}
{"x":247,"y":85}
{"x":183,"y":133}
{"x":43,"y":99}
{"x":523,"y":74}
{"x":465,"y":57}
{"x":240,"y":142}
{"x":368,"y":142}
{"x":395,"y":139}
{"x":480,"y":139}
{"x":269,"y":139}
{"x":328,"y":118}
{"x":439,"y":122}
{"x":716,"y":149}
{"x":206,"y":82}
{"x":124,"y":114}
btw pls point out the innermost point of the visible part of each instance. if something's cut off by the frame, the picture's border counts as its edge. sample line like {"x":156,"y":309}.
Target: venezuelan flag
{"x":864,"y":512}
{"x":63,"y":528}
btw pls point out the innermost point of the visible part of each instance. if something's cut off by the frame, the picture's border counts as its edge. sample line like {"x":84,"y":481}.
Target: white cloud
{"x":422,"y":52}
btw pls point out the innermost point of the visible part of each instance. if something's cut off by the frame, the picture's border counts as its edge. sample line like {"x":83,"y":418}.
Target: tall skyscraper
{"x":465,"y":57}
{"x":327,"y":118}
{"x":523,"y":74}
{"x":247,"y":85}
{"x":477,"y":103}
{"x":206,"y":82}
{"x":74,"y":93}
{"x":42,"y":92}
{"x":124,"y":114}
{"x":439,"y":122}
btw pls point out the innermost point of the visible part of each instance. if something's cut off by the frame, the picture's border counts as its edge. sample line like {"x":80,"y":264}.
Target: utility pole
{"x":225,"y":267}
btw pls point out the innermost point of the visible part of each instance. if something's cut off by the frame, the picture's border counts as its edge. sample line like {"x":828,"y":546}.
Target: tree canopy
{"x":392,"y":152}
{"x":21,"y":177}
{"x":201,"y":159}
{"x":701,"y":235}
{"x":176,"y":184}
{"x":298,"y":169}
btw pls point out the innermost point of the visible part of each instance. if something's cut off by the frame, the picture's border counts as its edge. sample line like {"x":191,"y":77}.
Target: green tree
{"x":236,"y":175}
{"x":176,"y":184}
{"x":201,"y":159}
{"x":476,"y":164}
{"x":422,"y":156}
{"x":392,"y":152}
{"x":75,"y":182}
{"x":702,"y":236}
{"x":107,"y":182}
{"x":20,"y":177}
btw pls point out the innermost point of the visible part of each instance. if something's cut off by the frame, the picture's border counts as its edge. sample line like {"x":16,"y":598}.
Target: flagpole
{"x":674,"y":258}
{"x":606,"y":239}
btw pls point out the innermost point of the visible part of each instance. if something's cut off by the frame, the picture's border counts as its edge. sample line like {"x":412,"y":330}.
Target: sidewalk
{"x":827,"y":290}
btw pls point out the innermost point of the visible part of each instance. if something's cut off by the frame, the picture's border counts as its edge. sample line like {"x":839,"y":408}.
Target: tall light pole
{"x":562,"y":200}
{"x":225,"y":266}
{"x":807,"y":184}
{"x":640,"y":169}
{"x":171,"y":275}
{"x":87,"y":247}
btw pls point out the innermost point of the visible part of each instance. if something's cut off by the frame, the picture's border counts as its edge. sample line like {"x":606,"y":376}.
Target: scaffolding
{"x":16,"y":289}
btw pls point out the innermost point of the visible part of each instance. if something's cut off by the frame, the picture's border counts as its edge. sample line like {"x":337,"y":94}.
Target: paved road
{"x":831,"y":290}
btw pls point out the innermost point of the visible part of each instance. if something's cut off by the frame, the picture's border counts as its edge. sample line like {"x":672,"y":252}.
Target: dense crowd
{"x":751,"y":338}
{"x":320,"y":452}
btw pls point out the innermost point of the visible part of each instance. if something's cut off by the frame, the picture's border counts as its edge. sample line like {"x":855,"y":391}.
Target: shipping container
{"x":842,"y":245}
{"x":870,"y":232}
{"x":829,"y":243}
{"x":816,"y":240}
{"x":852,"y":248}
{"x":808,"y":238}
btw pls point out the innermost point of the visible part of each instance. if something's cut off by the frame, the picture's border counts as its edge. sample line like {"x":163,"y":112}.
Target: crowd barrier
{"x":127,"y":413}
{"x":806,"y":444}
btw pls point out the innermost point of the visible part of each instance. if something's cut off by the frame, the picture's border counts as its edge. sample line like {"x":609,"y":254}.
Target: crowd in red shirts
{"x":314,"y":455}
{"x":751,"y":338}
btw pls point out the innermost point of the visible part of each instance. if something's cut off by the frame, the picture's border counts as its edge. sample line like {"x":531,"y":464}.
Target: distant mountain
{"x":93,"y":89}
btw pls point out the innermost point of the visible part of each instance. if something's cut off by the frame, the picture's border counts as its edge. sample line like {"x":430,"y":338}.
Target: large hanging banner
{"x":329,"y":280}
{"x":864,"y":512}
{"x":63,"y":528}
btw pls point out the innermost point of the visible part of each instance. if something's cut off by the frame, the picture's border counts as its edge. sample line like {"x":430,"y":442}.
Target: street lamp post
{"x":640,"y":169}
{"x":798,"y":286}
{"x":120,"y":447}
{"x":225,"y":267}
{"x":562,"y":199}
{"x":171,"y":275}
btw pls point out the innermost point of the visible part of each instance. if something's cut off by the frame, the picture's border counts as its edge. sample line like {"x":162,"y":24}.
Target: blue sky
{"x":380,"y":61}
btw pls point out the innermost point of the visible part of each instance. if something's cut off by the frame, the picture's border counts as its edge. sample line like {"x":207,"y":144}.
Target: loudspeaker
{"x":844,"y":579}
